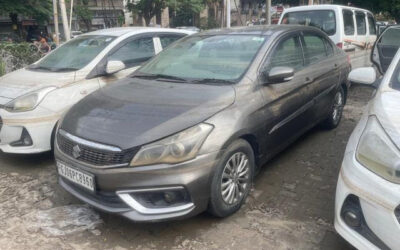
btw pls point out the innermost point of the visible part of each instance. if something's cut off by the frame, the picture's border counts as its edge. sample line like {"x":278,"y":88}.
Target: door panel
{"x":287,"y":104}
{"x":324,"y":68}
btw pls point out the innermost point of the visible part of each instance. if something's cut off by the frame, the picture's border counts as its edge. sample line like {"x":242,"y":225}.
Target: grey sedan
{"x":188,"y":131}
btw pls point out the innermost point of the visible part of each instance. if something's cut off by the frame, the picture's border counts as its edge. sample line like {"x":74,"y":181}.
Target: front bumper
{"x":114,"y":186}
{"x":38,"y":126}
{"x":379,"y":201}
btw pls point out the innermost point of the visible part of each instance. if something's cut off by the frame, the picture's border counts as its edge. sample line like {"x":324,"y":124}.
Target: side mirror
{"x":279,"y":74}
{"x":363,"y":76}
{"x":114,"y":66}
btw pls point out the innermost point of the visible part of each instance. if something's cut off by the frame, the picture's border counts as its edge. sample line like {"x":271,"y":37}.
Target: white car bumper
{"x":39,"y":124}
{"x":379,"y":201}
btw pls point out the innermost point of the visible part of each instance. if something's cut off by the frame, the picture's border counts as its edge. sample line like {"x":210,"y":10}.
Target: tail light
{"x":340,"y":45}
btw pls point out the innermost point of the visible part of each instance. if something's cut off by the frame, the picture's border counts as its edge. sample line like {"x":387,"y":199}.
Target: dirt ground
{"x":291,"y":206}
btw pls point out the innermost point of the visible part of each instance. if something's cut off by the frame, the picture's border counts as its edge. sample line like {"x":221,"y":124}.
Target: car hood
{"x":133,"y":112}
{"x":386,"y":107}
{"x":23,"y":81}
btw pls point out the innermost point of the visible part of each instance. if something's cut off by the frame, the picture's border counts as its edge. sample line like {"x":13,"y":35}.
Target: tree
{"x":147,"y":8}
{"x":185,"y":11}
{"x":84,"y":14}
{"x":40,"y":10}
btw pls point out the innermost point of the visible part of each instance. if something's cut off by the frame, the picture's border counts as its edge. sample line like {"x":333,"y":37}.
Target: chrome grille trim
{"x":88,"y":143}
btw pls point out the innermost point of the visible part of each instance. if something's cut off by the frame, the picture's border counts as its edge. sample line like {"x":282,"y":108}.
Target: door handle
{"x":308,"y":80}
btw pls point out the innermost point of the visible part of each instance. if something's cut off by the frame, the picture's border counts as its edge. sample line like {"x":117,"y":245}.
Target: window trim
{"x":353,"y":21}
{"x":324,"y":40}
{"x":357,"y":12}
{"x":369,"y":15}
{"x":267,"y":60}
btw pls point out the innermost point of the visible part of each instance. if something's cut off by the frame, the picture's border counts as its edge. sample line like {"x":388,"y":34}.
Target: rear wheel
{"x":336,"y":112}
{"x":233,"y":178}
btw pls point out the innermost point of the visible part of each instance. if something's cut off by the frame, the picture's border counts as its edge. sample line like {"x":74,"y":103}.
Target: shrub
{"x":14,"y":56}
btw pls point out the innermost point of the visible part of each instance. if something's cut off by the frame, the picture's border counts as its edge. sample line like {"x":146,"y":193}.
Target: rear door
{"x":325,"y":71}
{"x":385,"y":48}
{"x":287,"y":105}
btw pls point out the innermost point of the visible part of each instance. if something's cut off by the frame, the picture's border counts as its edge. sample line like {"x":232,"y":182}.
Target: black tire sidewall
{"x":217,"y":206}
{"x":330,"y":123}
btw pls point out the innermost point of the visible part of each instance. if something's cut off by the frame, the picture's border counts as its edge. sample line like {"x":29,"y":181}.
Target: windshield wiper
{"x":63,"y":69}
{"x":159,"y":76}
{"x":213,"y":80}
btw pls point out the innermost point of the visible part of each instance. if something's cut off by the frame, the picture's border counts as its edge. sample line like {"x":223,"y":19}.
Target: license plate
{"x":76,"y":176}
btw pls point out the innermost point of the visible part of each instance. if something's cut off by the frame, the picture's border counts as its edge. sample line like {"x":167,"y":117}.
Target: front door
{"x":287,"y":104}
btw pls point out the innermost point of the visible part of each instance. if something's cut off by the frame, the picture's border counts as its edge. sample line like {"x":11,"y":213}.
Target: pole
{"x":70,"y":14}
{"x":55,"y":13}
{"x":310,"y":2}
{"x":228,"y":13}
{"x":65,"y":20}
{"x":268,"y":12}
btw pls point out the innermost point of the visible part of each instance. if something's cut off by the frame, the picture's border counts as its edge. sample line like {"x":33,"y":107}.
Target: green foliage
{"x":184,"y":11}
{"x":147,"y":8}
{"x":83,"y":13}
{"x":14,"y":56}
{"x":40,"y":10}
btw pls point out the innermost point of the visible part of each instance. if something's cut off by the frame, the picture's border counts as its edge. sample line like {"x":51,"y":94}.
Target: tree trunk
{"x":147,"y":20}
{"x":158,"y":17}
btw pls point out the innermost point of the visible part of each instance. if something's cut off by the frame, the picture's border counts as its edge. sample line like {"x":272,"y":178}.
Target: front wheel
{"x":232,"y":180}
{"x":336,"y":112}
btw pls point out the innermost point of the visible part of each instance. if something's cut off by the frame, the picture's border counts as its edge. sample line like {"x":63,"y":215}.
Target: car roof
{"x":135,"y":30}
{"x":323,"y":7}
{"x":262,"y":30}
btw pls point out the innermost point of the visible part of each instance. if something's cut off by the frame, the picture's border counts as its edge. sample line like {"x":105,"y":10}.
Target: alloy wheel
{"x":235,"y":179}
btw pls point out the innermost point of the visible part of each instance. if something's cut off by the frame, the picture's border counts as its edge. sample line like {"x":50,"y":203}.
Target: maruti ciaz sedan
{"x":367,"y":211}
{"x":187,"y":131}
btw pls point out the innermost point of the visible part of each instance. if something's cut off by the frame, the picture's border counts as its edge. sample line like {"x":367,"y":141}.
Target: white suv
{"x":33,"y":99}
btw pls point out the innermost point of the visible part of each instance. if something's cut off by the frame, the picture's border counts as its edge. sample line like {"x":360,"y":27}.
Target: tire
{"x":336,"y":111}
{"x":238,"y":183}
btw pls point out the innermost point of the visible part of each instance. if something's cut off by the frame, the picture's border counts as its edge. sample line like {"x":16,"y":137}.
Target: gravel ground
{"x":291,"y":206}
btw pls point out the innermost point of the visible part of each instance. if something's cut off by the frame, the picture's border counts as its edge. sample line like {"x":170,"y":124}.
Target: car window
{"x":329,"y":47}
{"x":361,"y":25}
{"x":166,"y":40}
{"x":391,"y":37}
{"x":314,"y":48}
{"x":135,"y":51}
{"x":75,"y":54}
{"x":288,"y":53}
{"x":371,"y":25}
{"x":322,"y":19}
{"x":348,"y":21}
{"x":395,"y":81}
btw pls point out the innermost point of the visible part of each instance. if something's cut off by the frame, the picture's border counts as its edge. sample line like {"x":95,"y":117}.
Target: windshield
{"x":395,"y":82}
{"x":218,"y":57}
{"x":322,"y":19}
{"x":391,"y":37}
{"x":75,"y":54}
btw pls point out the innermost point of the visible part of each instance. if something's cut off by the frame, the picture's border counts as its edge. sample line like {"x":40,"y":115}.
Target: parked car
{"x":351,"y":29}
{"x":367,"y":211}
{"x":33,"y":99}
{"x":188,"y":130}
{"x":386,"y":47}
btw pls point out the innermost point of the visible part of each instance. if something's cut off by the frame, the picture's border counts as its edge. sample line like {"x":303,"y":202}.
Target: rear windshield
{"x":322,"y":19}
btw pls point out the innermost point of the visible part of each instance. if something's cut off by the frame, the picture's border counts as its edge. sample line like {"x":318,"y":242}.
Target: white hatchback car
{"x":33,"y":99}
{"x":367,"y":211}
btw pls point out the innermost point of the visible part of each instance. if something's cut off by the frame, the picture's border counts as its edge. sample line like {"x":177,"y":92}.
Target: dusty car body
{"x":367,"y":210}
{"x":33,"y":99}
{"x":185,"y":135}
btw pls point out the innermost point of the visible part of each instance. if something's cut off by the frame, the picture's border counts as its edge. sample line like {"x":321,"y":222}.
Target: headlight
{"x":177,"y":148}
{"x":378,"y":153}
{"x":29,"y":101}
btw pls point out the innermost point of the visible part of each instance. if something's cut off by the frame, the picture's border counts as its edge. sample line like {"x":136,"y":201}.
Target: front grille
{"x":94,"y":156}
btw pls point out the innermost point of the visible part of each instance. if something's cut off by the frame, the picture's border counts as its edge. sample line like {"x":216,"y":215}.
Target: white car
{"x":33,"y":99}
{"x":352,"y":29}
{"x":367,"y":210}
